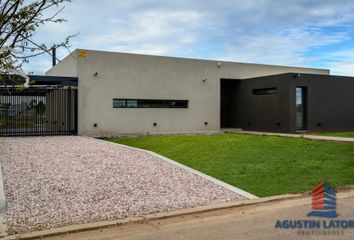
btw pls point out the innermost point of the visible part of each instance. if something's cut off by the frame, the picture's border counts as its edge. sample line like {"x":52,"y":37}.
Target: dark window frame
{"x":265,"y":91}
{"x":150,"y":103}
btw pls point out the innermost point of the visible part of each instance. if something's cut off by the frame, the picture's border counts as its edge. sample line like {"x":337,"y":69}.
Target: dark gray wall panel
{"x":330,"y":103}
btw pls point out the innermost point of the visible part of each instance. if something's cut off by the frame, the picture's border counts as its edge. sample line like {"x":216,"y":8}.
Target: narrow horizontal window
{"x":264,"y":91}
{"x":117,"y":103}
{"x":149,"y":103}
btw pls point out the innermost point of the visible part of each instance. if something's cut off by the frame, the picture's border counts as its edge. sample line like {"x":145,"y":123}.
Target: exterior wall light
{"x":95,"y":74}
{"x":204,"y":79}
{"x":219,"y":64}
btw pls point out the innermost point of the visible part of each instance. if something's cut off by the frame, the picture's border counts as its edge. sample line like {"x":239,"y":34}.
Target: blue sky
{"x":317,"y":33}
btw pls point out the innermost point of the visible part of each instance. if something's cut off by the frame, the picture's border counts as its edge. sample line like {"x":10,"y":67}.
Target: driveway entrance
{"x":48,"y":107}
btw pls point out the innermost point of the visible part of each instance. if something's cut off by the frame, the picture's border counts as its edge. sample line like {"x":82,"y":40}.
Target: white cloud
{"x":288,"y":47}
{"x":341,"y":62}
{"x":152,"y":32}
{"x":263,"y":31}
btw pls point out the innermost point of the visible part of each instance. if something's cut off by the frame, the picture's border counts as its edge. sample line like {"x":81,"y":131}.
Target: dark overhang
{"x":39,"y":80}
{"x":53,"y":80}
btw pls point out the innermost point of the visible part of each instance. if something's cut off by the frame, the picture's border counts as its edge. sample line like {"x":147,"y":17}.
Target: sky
{"x":316,"y":33}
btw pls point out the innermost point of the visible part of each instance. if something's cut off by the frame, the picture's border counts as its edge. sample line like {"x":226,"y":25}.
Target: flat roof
{"x":195,"y":59}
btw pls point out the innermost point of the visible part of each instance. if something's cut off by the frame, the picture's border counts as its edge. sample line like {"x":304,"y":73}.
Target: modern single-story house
{"x":108,"y":93}
{"x":120,"y":93}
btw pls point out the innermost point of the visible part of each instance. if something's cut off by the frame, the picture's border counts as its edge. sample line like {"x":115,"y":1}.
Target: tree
{"x":19,"y":21}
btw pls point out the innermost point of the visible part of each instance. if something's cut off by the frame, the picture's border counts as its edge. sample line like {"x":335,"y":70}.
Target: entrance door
{"x":228,"y":103}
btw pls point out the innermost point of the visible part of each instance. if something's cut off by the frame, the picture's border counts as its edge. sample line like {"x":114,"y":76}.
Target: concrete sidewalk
{"x":306,"y":136}
{"x":242,"y":222}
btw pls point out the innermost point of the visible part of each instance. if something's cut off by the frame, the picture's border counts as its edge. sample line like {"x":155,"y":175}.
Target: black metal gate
{"x":38,"y":111}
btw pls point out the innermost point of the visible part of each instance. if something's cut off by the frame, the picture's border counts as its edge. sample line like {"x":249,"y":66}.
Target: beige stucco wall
{"x":123,"y":75}
{"x":66,"y":68}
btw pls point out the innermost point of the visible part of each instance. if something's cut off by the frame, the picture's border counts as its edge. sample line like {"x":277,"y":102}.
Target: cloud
{"x":341,"y":62}
{"x":303,"y":33}
{"x":289,"y":47}
{"x":150,"y":32}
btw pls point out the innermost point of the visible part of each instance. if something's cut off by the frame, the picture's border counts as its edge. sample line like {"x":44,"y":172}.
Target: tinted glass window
{"x":264,"y":91}
{"x":149,"y":103}
{"x":300,"y":108}
{"x":117,"y":103}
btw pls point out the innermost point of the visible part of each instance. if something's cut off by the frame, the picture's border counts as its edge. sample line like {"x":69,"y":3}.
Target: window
{"x":264,"y":91}
{"x":149,"y":103}
{"x":132,"y":103}
{"x":300,"y":108}
{"x":117,"y":103}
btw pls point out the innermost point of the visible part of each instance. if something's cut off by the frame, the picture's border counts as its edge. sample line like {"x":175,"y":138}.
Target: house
{"x":121,"y":93}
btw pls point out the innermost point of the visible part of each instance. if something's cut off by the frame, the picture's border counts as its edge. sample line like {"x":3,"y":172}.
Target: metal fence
{"x":38,"y":111}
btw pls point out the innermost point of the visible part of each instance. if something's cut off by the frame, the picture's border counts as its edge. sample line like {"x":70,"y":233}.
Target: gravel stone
{"x":57,"y":181}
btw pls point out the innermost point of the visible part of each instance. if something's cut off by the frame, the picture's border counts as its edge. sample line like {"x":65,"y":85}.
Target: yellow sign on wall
{"x":82,"y":54}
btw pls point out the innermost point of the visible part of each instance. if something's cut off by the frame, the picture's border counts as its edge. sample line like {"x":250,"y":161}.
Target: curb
{"x":329,"y":139}
{"x":151,"y":217}
{"x":291,"y":135}
{"x":145,"y":134}
{"x":188,"y":169}
{"x":347,"y":190}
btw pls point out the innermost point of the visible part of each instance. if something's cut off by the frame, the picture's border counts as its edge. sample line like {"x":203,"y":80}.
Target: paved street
{"x":248,"y":222}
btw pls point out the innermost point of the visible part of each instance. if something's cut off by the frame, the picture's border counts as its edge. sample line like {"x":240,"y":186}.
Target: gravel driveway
{"x":56,"y":181}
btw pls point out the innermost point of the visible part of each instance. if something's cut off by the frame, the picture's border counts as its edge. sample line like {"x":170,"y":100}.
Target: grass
{"x":261,"y":165}
{"x":337,"y":134}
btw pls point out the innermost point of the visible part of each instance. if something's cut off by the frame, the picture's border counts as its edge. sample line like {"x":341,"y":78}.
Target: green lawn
{"x":339,"y":134}
{"x":262,"y":165}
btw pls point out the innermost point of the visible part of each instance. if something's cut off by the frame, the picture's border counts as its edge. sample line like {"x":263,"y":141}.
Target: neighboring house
{"x":121,"y":93}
